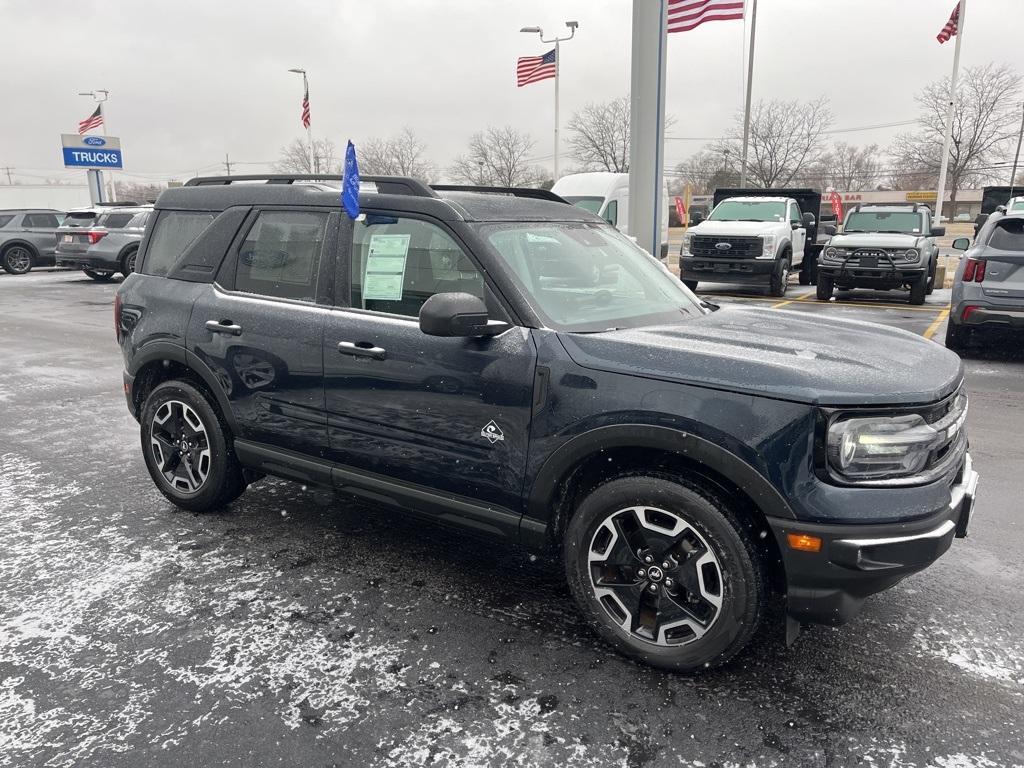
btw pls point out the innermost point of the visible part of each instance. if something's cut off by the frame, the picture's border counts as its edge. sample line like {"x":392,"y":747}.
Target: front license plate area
{"x":869,"y":262}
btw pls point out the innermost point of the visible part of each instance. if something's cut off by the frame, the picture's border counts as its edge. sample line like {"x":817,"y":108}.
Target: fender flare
{"x":163,"y":350}
{"x":538,"y":516}
{"x":24,"y":244}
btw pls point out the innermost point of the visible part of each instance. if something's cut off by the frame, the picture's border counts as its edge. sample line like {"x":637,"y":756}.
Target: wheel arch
{"x":162,"y":361}
{"x":123,"y":253}
{"x":8,"y":244}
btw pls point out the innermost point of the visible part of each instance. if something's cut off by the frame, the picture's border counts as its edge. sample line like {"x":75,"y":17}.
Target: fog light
{"x":804,"y":542}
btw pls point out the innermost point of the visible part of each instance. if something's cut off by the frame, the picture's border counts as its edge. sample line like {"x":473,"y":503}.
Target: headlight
{"x":687,"y":238}
{"x":880,"y":447}
{"x":833,"y":253}
{"x":768,"y":251}
{"x":911,"y":255}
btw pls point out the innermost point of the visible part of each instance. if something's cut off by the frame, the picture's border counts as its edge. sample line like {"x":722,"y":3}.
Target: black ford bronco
{"x":510,"y":364}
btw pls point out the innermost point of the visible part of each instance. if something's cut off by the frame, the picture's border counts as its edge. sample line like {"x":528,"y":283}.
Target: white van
{"x":607,"y":195}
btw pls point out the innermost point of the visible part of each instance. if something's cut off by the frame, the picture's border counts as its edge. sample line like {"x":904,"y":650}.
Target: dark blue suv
{"x":506,"y":363}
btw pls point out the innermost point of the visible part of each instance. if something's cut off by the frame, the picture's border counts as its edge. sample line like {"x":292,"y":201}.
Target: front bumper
{"x":726,"y":270}
{"x":868,"y":276}
{"x":855,"y":561}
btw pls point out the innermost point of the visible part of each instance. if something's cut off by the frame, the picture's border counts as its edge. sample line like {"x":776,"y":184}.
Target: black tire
{"x":691,"y":284}
{"x":223,"y":481}
{"x":780,"y":277}
{"x":805,"y":273}
{"x":823,"y":291}
{"x":931,"y":279}
{"x":956,"y":338}
{"x":918,"y":290}
{"x":100,"y":276}
{"x":736,"y":571}
{"x":18,"y":259}
{"x":128,"y":262}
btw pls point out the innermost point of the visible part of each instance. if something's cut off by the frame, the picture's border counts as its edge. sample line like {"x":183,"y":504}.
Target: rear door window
{"x":41,"y":220}
{"x":280,"y":256}
{"x":175,"y":231}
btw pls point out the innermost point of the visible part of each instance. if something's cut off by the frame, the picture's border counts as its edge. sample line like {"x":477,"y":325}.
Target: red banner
{"x":681,"y":210}
{"x":837,"y":204}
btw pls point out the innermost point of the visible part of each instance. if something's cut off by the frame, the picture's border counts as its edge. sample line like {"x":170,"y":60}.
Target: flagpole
{"x":558,"y":65}
{"x":750,"y":88}
{"x":948,"y":137}
{"x":309,"y":128}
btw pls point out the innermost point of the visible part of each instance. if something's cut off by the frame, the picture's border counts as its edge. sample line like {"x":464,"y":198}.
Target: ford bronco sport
{"x":512,"y":365}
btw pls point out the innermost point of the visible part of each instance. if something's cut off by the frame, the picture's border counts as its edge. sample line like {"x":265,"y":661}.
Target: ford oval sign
{"x":723,"y":246}
{"x":94,"y":141}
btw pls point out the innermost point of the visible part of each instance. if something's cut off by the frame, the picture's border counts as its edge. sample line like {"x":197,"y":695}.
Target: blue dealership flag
{"x":350,"y":183}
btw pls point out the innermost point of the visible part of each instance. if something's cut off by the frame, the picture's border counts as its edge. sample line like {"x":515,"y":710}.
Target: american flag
{"x":951,"y":27}
{"x":305,"y":108}
{"x":95,"y":120}
{"x":530,"y":69}
{"x":684,"y":15}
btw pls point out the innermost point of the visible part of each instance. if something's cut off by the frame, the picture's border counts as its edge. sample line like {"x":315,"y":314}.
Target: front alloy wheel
{"x":655,"y":575}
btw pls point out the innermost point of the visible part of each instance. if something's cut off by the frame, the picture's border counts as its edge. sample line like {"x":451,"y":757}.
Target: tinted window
{"x":281,"y":255}
{"x":41,"y":220}
{"x":175,"y":231}
{"x":115,"y":220}
{"x":397,"y":264}
{"x":1008,"y":235}
{"x":80,"y":219}
{"x":5,"y":220}
{"x":140,"y":220}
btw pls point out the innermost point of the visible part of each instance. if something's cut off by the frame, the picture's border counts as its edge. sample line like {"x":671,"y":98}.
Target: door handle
{"x":361,"y":349}
{"x":224,"y":326}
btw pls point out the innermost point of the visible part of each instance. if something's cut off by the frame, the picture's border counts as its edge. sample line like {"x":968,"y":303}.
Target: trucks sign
{"x":95,"y":152}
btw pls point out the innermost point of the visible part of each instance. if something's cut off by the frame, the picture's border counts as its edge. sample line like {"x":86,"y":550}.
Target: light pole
{"x":95,"y":176}
{"x":305,"y":106}
{"x":573,"y":26}
{"x":1016,"y":157}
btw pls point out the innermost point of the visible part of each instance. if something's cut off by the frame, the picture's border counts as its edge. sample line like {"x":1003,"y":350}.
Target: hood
{"x":874,"y":240}
{"x":737,"y":227}
{"x":780,"y":354}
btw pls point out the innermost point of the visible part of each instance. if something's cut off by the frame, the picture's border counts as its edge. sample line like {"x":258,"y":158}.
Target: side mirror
{"x":829,"y":229}
{"x":962,"y":243}
{"x":808,"y":219}
{"x":938,"y":231}
{"x":458,"y":314}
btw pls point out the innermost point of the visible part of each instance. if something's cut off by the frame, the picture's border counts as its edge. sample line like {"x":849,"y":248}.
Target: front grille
{"x":873,"y":257}
{"x":711,"y":246}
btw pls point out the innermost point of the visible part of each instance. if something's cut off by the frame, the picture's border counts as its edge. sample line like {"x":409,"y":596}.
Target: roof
{"x":7,"y":211}
{"x":758,"y":199}
{"x":890,"y":207}
{"x":445,"y":204}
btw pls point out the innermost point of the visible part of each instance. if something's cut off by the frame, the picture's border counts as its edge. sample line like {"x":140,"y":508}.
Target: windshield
{"x":749,"y":210}
{"x":903,"y":222}
{"x":586,"y":278}
{"x":592,"y":204}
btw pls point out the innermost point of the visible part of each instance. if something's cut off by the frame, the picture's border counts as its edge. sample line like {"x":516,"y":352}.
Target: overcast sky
{"x":190,"y":80}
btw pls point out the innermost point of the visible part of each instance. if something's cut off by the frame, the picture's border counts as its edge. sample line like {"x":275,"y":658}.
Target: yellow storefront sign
{"x":921,"y":197}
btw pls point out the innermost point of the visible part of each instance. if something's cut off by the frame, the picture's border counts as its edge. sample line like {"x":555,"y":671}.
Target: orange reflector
{"x":804,"y":542}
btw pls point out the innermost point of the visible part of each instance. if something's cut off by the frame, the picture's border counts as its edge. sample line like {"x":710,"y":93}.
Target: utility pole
{"x":227,"y":164}
{"x":1013,"y":173}
{"x":7,"y":169}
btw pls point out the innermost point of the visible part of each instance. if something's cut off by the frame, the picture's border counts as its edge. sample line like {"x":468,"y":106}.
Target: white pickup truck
{"x":755,"y":238}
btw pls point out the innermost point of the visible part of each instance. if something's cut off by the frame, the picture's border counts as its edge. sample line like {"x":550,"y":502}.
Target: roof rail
{"x":915,"y":206}
{"x":116,"y":204}
{"x":530,"y":192}
{"x":388,"y":185}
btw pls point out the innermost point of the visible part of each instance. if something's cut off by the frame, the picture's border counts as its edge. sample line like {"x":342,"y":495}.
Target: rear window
{"x":175,"y":231}
{"x":115,"y":220}
{"x":1008,"y":235}
{"x":80,"y":219}
{"x":5,"y":220}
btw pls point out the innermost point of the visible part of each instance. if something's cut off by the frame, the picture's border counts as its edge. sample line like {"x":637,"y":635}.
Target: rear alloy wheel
{"x":187,"y":449}
{"x":99,"y":275}
{"x":780,"y":278}
{"x":128,"y":262}
{"x":918,"y":290}
{"x":664,"y":572}
{"x":17,"y":260}
{"x":823,"y":290}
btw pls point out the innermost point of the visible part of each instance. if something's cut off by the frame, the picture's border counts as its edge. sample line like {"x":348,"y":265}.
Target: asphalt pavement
{"x":303,"y":629}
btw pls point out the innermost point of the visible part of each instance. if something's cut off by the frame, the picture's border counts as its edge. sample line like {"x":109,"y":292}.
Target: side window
{"x":611,"y":212}
{"x":115,"y":220}
{"x":794,"y":213}
{"x":281,"y":255}
{"x":5,"y":220}
{"x":41,"y":220}
{"x":1008,"y":235}
{"x":175,"y":231}
{"x":399,"y":263}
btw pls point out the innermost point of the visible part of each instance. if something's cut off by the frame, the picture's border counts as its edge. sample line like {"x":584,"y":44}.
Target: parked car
{"x":607,"y":194}
{"x":515,"y":367}
{"x":754,"y":237}
{"x":28,"y":238}
{"x":882,"y":247}
{"x":107,"y":246}
{"x":988,"y":287}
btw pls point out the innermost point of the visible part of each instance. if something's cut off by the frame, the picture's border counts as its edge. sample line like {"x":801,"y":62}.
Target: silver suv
{"x":107,"y":245}
{"x":988,"y":289}
{"x":28,"y":237}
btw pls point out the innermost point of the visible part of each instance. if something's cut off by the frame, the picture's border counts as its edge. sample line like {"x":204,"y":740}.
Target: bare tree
{"x":136,"y":192}
{"x":401,"y":155}
{"x":295,"y":157}
{"x":786,"y":138}
{"x":983,"y":125}
{"x":851,"y":168}
{"x":709,"y":169}
{"x":600,"y":135}
{"x":498,"y":157}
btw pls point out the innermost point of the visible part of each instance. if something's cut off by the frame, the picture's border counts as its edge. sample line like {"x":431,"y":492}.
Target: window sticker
{"x":385,"y":267}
